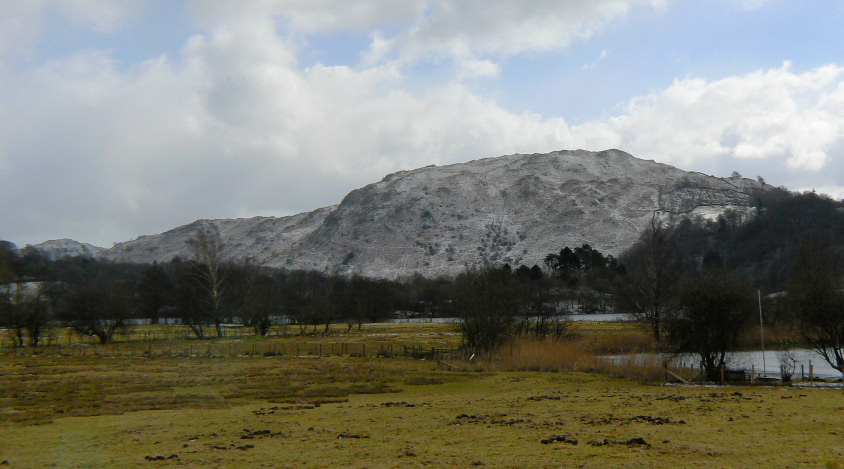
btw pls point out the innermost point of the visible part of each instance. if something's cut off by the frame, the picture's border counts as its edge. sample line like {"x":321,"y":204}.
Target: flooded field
{"x":753,"y":360}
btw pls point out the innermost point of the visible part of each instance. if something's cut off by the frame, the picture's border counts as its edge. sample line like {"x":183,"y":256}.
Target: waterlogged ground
{"x":354,"y":412}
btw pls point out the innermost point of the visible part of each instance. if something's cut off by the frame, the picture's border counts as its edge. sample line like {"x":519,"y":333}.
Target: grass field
{"x":287,"y":411}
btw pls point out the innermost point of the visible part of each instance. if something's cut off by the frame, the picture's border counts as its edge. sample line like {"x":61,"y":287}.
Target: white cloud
{"x":478,"y":27}
{"x":235,"y":126}
{"x":478,"y":68}
{"x":22,"y":21}
{"x":232,"y":127}
{"x":310,"y":16}
{"x":772,"y":114}
{"x":468,"y":30}
{"x":593,"y":64}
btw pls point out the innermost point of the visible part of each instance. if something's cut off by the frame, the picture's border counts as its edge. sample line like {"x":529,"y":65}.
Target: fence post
{"x":811,"y":373}
{"x":722,"y":374}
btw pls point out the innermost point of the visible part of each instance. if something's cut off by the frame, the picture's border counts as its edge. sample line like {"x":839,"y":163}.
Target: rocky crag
{"x":437,"y":220}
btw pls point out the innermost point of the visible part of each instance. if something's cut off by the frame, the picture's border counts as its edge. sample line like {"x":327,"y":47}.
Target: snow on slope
{"x":436,"y":220}
{"x":260,"y":239}
{"x":59,"y":248}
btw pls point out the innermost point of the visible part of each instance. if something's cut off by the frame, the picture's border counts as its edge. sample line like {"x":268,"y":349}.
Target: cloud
{"x":500,"y":29}
{"x":21,"y":22}
{"x":470,"y":32}
{"x":776,"y":114}
{"x":595,"y":63}
{"x":478,"y":68}
{"x":231,"y":127}
{"x":312,"y":16}
{"x":234,"y":125}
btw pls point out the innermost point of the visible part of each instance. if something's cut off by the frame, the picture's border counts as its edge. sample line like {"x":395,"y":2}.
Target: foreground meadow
{"x":296,"y":411}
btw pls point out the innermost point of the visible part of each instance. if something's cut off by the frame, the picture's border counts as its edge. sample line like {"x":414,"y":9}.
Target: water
{"x":609,"y":317}
{"x":746,"y":360}
{"x":423,"y":320}
{"x":606,"y":317}
{"x":749,"y":360}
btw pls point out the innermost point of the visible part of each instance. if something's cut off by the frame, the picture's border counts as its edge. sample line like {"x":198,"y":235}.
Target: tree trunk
{"x":655,"y":327}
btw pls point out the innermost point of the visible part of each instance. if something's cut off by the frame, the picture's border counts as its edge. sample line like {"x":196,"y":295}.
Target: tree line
{"x":204,"y":292}
{"x":699,"y":282}
{"x":692,"y":279}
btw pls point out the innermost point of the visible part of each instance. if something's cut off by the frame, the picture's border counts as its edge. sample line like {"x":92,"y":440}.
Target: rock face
{"x":436,"y":220}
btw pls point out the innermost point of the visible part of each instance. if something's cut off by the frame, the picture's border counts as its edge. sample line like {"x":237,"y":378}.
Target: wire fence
{"x":235,"y":348}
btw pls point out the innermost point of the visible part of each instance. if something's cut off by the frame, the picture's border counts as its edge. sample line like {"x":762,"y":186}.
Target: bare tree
{"x":486,"y":301}
{"x":189,"y":298}
{"x":255,"y":296}
{"x":538,"y":316}
{"x":98,"y":308}
{"x":24,"y":311}
{"x":817,"y":300}
{"x":209,"y":271}
{"x":653,"y":272}
{"x":712,"y":310}
{"x":11,"y":317}
{"x":154,"y":292}
{"x":32,"y":312}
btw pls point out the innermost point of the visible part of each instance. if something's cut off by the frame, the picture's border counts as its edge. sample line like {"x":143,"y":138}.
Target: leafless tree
{"x":653,"y":272}
{"x":98,"y":309}
{"x":209,"y":271}
{"x":711,"y":312}
{"x":486,"y":301}
{"x":817,"y":299}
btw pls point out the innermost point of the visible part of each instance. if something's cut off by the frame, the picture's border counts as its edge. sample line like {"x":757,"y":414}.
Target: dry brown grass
{"x":571,"y":356}
{"x":38,"y":389}
{"x":609,"y":338}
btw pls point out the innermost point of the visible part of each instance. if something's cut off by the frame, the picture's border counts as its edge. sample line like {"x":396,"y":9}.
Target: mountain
{"x":512,"y":209}
{"x":59,"y":248}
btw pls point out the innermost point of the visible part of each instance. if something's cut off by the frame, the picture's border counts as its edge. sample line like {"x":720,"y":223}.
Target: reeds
{"x":583,"y":354}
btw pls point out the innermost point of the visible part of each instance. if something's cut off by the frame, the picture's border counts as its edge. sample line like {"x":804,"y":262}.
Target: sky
{"x":120,"y":118}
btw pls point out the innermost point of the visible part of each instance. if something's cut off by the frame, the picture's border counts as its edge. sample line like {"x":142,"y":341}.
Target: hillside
{"x":59,"y":248}
{"x":436,"y":220}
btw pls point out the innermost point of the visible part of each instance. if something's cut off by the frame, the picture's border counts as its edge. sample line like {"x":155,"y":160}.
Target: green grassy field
{"x":286,"y":411}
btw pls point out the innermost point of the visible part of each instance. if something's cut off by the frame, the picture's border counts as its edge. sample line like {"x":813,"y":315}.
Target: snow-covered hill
{"x":59,"y":248}
{"x":436,"y":220}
